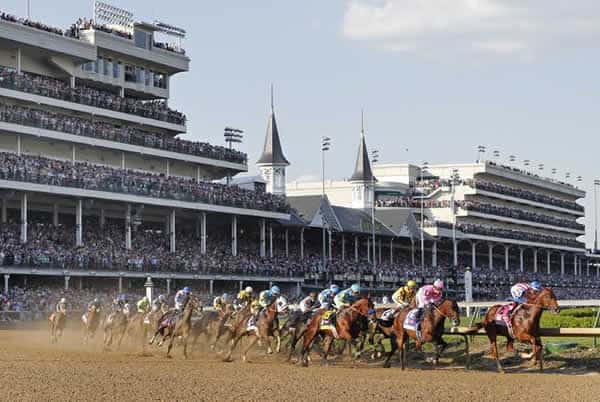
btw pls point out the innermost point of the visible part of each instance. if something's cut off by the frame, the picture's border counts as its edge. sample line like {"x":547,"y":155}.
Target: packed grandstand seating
{"x":37,"y":169}
{"x":528,"y":173}
{"x":114,"y":132}
{"x":59,"y":89}
{"x":484,"y":230}
{"x":33,"y":24}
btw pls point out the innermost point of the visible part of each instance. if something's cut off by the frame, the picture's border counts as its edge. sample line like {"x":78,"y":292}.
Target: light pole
{"x":232,"y":136}
{"x":496,"y":155}
{"x":596,"y":184}
{"x":374,"y":160}
{"x":455,"y":178}
{"x":480,"y":151}
{"x":325,"y":146}
{"x":423,"y":167}
{"x":512,"y":158}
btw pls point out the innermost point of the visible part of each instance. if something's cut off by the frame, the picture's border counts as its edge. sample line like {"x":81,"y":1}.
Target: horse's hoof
{"x":304,"y":363}
{"x":228,"y":360}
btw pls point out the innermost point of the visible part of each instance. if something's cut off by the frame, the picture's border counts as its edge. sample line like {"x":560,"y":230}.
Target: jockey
{"x":404,"y":296}
{"x":220,"y":302}
{"x":519,"y":291}
{"x":61,"y":306}
{"x":244,"y":297}
{"x":309,"y":303}
{"x":180,"y":298}
{"x":158,"y":302}
{"x":430,"y":294}
{"x":326,"y":297}
{"x":143,"y":305}
{"x":266,"y":297}
{"x":94,"y":304}
{"x":346,"y":297}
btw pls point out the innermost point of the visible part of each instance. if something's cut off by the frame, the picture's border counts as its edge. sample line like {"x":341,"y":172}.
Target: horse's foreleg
{"x":492,"y":336}
{"x":250,"y":344}
{"x":327,"y":347}
{"x":170,"y":345}
{"x":394,"y":347}
{"x":185,"y":343}
{"x":233,"y":344}
{"x":401,"y":341}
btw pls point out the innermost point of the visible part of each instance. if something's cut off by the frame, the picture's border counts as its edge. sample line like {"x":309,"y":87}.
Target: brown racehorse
{"x":115,"y":325}
{"x":525,"y":325}
{"x":57,"y":321}
{"x":183,"y":326}
{"x":432,"y":328}
{"x":264,"y":331}
{"x":347,"y":327}
{"x":91,"y":321}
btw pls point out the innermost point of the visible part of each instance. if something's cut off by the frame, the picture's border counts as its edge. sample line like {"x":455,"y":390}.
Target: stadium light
{"x":374,"y":160}
{"x":526,"y":162}
{"x":423,"y":167}
{"x":480,"y":151}
{"x":496,"y":154}
{"x":512,"y":158}
{"x":325,"y":146}
{"x":596,"y":185}
{"x":233,"y":136}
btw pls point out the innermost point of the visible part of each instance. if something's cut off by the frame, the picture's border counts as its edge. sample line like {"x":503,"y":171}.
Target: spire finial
{"x":362,"y":122}
{"x":272,"y":101}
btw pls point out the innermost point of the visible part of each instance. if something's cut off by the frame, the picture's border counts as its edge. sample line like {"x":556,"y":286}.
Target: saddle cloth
{"x":169,"y":322}
{"x":328,"y":322}
{"x":412,"y":322}
{"x":388,"y":315}
{"x":251,"y":324}
{"x":504,"y":314}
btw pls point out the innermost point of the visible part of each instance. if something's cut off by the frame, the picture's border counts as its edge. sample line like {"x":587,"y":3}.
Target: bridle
{"x":435,"y":306}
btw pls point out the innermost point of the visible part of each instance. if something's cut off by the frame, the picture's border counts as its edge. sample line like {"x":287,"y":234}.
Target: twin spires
{"x":362,"y":169}
{"x":272,"y":153}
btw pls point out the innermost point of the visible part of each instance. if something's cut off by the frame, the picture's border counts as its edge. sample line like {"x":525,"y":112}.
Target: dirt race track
{"x":33,"y":369}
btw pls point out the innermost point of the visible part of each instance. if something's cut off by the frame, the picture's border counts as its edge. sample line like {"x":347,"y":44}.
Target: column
{"x":263,"y":241}
{"x":24,"y":218}
{"x":55,"y":209}
{"x":369,"y":249}
{"x":575,"y":265}
{"x":242,"y":285}
{"x":343,"y":247}
{"x":128,"y":227}
{"x":211,"y":284}
{"x":234,"y":235}
{"x":391,"y":250}
{"x":81,"y":283}
{"x":434,"y":254}
{"x":203,"y":233}
{"x":79,"y":223}
{"x":198,"y":174}
{"x":491,"y":256}
{"x":4,"y":210}
{"x":168,"y":286}
{"x":168,"y":168}
{"x":298,"y":289}
{"x":521,"y":264}
{"x":548,"y":264}
{"x":380,"y":248}
{"x":412,"y":250}
{"x":287,"y":243}
{"x":72,"y":81}
{"x":562,"y":264}
{"x":455,"y":252}
{"x":587,"y":267}
{"x":356,"y":248}
{"x":18,"y":60}
{"x":102,"y":218}
{"x":73,"y":153}
{"x":6,"y":277}
{"x":122,"y":92}
{"x":271,"y":241}
{"x":535,"y":266}
{"x":330,"y":245}
{"x":18,"y":145}
{"x":302,"y":243}
{"x":474,"y":255}
{"x":67,"y":278}
{"x":123,"y":165}
{"x":597,"y":270}
{"x":172,"y":233}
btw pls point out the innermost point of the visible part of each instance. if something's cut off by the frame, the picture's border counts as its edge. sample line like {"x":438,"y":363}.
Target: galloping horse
{"x":91,"y":321}
{"x":347,"y":327}
{"x":115,"y":325}
{"x":432,"y":328}
{"x":57,"y":321}
{"x":183,"y":326}
{"x":525,"y":322}
{"x":265,"y":329}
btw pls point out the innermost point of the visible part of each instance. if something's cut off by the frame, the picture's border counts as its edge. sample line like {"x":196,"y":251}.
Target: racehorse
{"x":525,"y":322}
{"x":265,"y":329}
{"x":57,"y":321}
{"x":91,"y":321}
{"x":207,"y":325}
{"x":182,"y":326}
{"x":349,"y":323}
{"x":115,"y":325}
{"x":295,"y":327}
{"x":432,"y":328}
{"x":152,"y":320}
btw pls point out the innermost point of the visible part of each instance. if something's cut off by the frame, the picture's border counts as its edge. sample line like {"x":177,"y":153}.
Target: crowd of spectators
{"x":83,"y":24}
{"x":37,"y":169}
{"x":33,"y":24}
{"x":520,"y":214}
{"x":526,"y":194}
{"x":59,"y":89}
{"x":484,"y":230}
{"x":516,"y":169}
{"x":109,"y":131}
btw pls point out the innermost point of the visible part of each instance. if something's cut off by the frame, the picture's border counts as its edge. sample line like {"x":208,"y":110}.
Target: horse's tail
{"x":474,"y":329}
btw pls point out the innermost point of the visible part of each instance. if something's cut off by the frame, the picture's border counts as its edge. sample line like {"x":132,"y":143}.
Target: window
{"x":142,"y":39}
{"x":148,"y":80}
{"x":89,"y":66}
{"x":139,"y":74}
{"x":116,"y":69}
{"x":129,"y":73}
{"x":98,"y":66}
{"x":107,"y":65}
{"x":160,"y":80}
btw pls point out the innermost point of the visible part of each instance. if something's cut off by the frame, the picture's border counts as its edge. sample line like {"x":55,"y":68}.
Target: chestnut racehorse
{"x":525,"y":325}
{"x":432,"y":328}
{"x":183,"y":326}
{"x":57,"y":321}
{"x":349,"y":323}
{"x":265,"y":328}
{"x":91,"y":321}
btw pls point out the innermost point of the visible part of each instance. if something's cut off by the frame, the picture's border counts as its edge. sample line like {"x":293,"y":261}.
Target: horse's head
{"x":364,"y":306}
{"x":449,"y":308}
{"x":547,"y":299}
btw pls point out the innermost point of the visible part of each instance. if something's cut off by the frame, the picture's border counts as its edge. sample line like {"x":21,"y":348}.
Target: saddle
{"x":412,"y":321}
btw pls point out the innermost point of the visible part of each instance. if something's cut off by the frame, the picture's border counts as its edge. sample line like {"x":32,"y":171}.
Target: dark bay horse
{"x":525,"y":325}
{"x":349,"y":324}
{"x":91,"y":322}
{"x":265,"y":329}
{"x":115,"y":325}
{"x":183,"y":326}
{"x":432,"y":328}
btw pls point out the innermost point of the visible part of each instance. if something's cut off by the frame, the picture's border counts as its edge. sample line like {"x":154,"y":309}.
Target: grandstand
{"x":98,"y":184}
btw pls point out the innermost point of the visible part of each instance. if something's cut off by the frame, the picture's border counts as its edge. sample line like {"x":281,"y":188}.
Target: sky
{"x":436,"y":78}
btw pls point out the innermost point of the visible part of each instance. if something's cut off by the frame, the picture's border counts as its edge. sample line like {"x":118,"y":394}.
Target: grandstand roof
{"x":401,"y":221}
